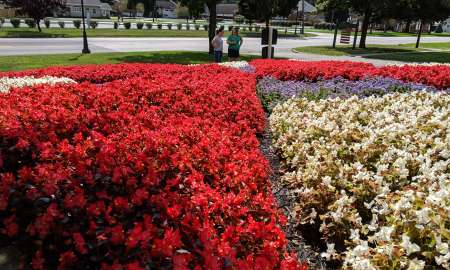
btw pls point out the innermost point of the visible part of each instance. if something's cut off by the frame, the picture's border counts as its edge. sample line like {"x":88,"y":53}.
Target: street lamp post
{"x":85,"y":42}
{"x":303,"y":17}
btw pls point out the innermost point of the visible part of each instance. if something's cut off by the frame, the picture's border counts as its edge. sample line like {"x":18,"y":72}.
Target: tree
{"x":267,"y":9}
{"x":36,"y":9}
{"x":212,"y":7}
{"x":182,"y":12}
{"x":195,"y":8}
{"x":247,"y":9}
{"x":368,"y":8}
{"x":148,"y":5}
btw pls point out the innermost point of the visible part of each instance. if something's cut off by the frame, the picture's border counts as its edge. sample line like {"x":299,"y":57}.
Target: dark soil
{"x":306,"y":253}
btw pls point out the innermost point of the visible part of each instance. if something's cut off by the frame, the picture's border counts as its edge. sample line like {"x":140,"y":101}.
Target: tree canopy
{"x":266,"y":9}
{"x":36,"y":9}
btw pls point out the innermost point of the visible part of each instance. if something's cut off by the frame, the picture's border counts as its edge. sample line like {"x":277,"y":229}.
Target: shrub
{"x":197,"y":27}
{"x":205,"y":27}
{"x":188,"y":27}
{"x":230,"y":27}
{"x":140,"y":25}
{"x":239,"y":19}
{"x":61,"y":24}
{"x":439,"y":29}
{"x":47,"y":23}
{"x":160,"y":26}
{"x":93,"y":24}
{"x":169,"y":26}
{"x":77,"y":24}
{"x":2,"y":20}
{"x":149,"y":25}
{"x":30,"y":22}
{"x":116,"y":25}
{"x":15,"y":22}
{"x":257,"y":28}
{"x":127,"y":25}
{"x":250,"y":28}
{"x":179,"y":26}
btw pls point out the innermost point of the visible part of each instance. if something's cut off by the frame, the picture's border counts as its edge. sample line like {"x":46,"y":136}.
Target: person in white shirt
{"x":217,"y":43}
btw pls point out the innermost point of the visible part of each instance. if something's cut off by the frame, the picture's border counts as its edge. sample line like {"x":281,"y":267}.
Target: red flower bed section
{"x":436,"y":75}
{"x":162,"y":173}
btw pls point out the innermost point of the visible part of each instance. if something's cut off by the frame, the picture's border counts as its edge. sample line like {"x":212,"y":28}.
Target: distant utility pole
{"x":303,"y":17}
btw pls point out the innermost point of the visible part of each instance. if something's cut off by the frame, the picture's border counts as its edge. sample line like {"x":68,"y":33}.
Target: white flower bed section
{"x":7,"y":83}
{"x":241,"y":65}
{"x":374,"y":173}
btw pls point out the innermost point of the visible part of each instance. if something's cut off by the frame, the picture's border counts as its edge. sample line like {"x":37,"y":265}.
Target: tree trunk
{"x":420,"y":34}
{"x":212,"y":23}
{"x":38,"y":25}
{"x":408,"y":25}
{"x":364,"y":28}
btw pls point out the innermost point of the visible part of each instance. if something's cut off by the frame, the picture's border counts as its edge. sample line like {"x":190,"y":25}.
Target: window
{"x":76,"y":9}
{"x":94,"y":11}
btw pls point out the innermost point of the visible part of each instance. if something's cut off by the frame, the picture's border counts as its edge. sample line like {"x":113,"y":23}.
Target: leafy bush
{"x":140,"y":25}
{"x":149,"y":25}
{"x":127,"y":25}
{"x":93,"y":24}
{"x":169,"y":26}
{"x":197,"y":27}
{"x":2,"y":20}
{"x":15,"y":22}
{"x":188,"y":27}
{"x":439,"y":29}
{"x":30,"y":22}
{"x":230,"y":27}
{"x":257,"y":28}
{"x":179,"y":26}
{"x":77,"y":24}
{"x":61,"y":24}
{"x":239,"y":19}
{"x":160,"y":26}
{"x":250,"y":28}
{"x":205,"y":27}
{"x":116,"y":25}
{"x":47,"y":23}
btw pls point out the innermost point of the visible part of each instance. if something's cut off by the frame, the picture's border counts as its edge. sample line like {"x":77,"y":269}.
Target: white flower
{"x":416,"y":264}
{"x":408,"y":245}
{"x":7,"y":83}
{"x":330,"y":253}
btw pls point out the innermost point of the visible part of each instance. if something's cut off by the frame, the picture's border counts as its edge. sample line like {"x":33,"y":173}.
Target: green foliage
{"x":15,"y":22}
{"x":169,"y":26}
{"x":47,"y":23}
{"x":31,"y":23}
{"x":61,"y":24}
{"x":266,"y":9}
{"x":179,"y":26}
{"x":140,"y":25}
{"x":93,"y":24}
{"x":36,"y":9}
{"x":159,"y":26}
{"x":116,"y":25}
{"x":149,"y":25}
{"x":148,"y":5}
{"x":77,"y":24}
{"x":127,"y":25}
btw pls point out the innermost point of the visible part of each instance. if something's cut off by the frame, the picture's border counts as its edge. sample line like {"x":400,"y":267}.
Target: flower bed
{"x":272,"y":91}
{"x":6,"y":83}
{"x":156,"y":166}
{"x":435,"y":75}
{"x":372,"y":175}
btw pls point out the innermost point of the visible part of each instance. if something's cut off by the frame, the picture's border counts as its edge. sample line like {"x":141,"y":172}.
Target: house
{"x":224,"y":11}
{"x":166,"y":9}
{"x":446,"y":25}
{"x":6,"y":12}
{"x":309,"y":8}
{"x":92,"y":8}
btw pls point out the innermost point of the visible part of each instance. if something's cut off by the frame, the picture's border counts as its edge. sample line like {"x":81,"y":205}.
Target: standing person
{"x":217,"y":43}
{"x":234,"y":42}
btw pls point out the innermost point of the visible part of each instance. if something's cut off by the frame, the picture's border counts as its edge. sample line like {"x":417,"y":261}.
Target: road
{"x":11,"y":46}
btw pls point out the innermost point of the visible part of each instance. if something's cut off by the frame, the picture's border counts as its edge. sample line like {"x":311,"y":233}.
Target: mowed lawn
{"x":103,"y":32}
{"x":428,"y":52}
{"x":9,"y":63}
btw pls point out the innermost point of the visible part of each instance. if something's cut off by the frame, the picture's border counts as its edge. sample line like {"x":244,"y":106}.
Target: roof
{"x":308,"y":7}
{"x":96,"y":3}
{"x":221,"y":9}
{"x":166,"y":4}
{"x":106,"y":6}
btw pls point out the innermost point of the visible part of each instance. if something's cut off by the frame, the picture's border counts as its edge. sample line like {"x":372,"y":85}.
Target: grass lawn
{"x":404,"y":52}
{"x":8,"y":63}
{"x":433,"y":45}
{"x":72,"y":32}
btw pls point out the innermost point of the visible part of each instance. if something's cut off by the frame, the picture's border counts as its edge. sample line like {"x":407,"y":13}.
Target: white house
{"x":166,"y":9}
{"x":308,"y":7}
{"x":94,"y":8}
{"x":446,"y":25}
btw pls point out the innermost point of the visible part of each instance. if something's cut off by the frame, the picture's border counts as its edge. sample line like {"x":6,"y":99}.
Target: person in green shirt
{"x":234,"y":42}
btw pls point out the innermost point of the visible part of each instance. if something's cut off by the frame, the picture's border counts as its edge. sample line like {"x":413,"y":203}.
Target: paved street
{"x":11,"y":46}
